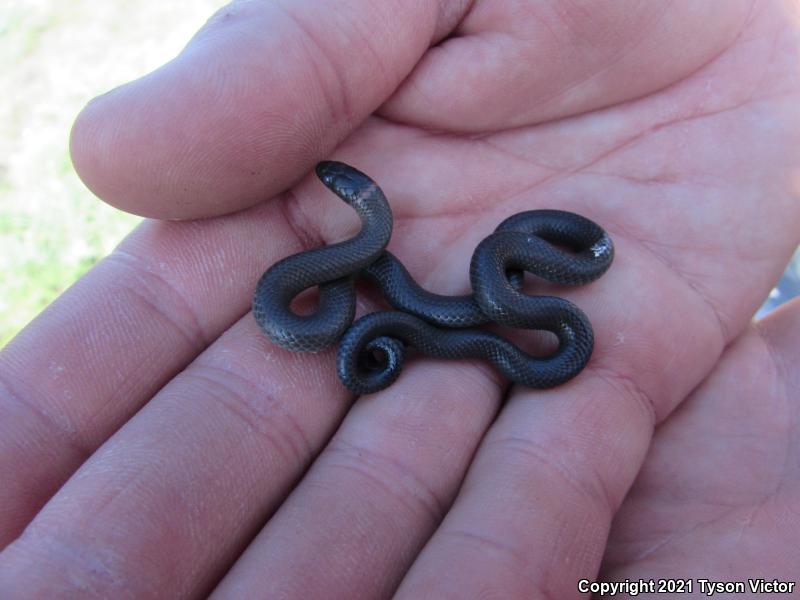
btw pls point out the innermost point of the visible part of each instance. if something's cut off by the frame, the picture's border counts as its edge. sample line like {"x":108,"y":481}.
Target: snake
{"x":558,"y":246}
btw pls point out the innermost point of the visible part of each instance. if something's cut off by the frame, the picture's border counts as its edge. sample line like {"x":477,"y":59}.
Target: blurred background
{"x":55,"y":55}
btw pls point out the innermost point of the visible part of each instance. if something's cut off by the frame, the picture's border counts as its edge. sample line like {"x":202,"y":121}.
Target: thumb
{"x":261,"y":93}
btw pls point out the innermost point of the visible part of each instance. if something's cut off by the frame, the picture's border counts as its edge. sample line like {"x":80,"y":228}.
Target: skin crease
{"x":154,"y":444}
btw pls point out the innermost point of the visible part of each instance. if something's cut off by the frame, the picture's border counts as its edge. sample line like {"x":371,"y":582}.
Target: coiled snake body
{"x":372,"y":350}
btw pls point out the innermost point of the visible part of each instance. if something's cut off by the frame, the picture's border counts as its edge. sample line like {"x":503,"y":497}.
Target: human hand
{"x":165,"y":430}
{"x":716,"y":497}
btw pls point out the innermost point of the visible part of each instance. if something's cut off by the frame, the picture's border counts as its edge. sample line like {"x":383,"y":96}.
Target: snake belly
{"x":558,"y":246}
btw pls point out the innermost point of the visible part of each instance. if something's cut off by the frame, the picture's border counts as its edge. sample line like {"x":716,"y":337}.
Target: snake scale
{"x":558,"y":246}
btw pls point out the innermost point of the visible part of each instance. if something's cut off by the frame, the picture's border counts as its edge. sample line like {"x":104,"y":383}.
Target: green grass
{"x":56,"y":56}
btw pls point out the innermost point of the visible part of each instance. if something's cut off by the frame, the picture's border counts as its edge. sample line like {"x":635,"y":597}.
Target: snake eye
{"x":344,"y":181}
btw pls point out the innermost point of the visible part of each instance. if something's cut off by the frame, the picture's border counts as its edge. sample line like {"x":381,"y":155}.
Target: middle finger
{"x":359,"y":517}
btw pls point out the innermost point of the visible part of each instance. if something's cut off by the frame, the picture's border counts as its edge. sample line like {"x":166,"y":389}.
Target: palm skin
{"x":716,"y":496}
{"x":676,"y":131}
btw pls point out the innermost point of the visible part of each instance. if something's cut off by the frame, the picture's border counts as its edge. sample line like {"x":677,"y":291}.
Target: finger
{"x":170,"y":499}
{"x":259,"y":95}
{"x":200,"y":466}
{"x":103,"y":349}
{"x":725,"y":450}
{"x":86,"y":364}
{"x":534,"y":512}
{"x":642,"y":352}
{"x":376,"y":493}
{"x":527,"y":62}
{"x":531,"y":516}
{"x":379,"y":490}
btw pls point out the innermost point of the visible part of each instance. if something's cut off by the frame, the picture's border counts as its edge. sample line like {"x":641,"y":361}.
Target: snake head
{"x":343,"y":180}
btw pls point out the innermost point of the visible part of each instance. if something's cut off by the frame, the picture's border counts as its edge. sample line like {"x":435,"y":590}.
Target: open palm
{"x":154,"y":444}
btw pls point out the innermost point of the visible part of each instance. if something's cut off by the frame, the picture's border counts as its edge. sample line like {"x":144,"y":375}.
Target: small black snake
{"x":372,"y":349}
